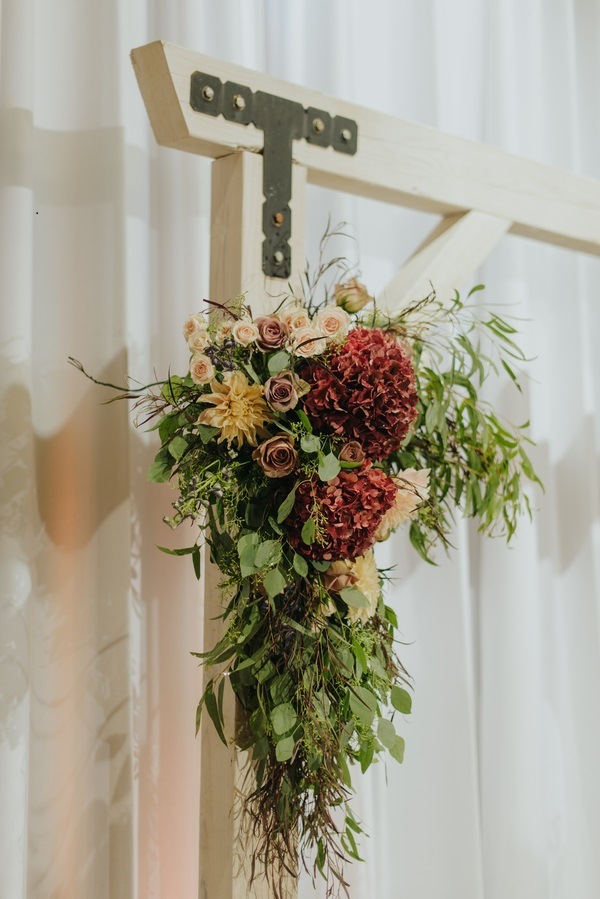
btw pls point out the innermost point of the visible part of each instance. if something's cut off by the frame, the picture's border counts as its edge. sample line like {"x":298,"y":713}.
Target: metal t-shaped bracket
{"x":282,"y":122}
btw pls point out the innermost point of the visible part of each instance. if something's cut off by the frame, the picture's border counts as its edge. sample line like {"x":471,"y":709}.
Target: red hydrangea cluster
{"x":367,"y":393}
{"x":353,"y":505}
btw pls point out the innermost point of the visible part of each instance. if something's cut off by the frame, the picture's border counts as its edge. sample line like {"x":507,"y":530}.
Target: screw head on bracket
{"x":278,"y":219}
{"x":239,"y":102}
{"x":346,"y":135}
{"x":278,"y":257}
{"x":318,"y":125}
{"x":208,"y":93}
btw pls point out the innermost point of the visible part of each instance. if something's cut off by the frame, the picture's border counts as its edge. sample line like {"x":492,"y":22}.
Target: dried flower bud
{"x":352,"y":295}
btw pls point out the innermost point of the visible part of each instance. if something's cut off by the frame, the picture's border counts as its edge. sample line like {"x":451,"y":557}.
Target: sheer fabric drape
{"x":104,"y":251}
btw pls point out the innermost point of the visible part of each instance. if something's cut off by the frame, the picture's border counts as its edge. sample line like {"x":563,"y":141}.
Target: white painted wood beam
{"x":235,"y":268}
{"x":397,"y":161}
{"x":446,"y":259}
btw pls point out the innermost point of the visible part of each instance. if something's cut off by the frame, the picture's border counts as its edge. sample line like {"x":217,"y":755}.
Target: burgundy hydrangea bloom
{"x":366,"y":394}
{"x":353,"y":504}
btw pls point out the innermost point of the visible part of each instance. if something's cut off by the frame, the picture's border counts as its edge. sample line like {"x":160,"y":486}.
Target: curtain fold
{"x":104,"y":251}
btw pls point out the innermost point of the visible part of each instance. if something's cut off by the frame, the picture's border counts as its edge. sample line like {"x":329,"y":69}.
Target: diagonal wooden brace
{"x":452,"y":252}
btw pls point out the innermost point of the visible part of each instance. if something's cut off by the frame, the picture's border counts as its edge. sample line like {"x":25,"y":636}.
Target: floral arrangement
{"x":297,"y":441}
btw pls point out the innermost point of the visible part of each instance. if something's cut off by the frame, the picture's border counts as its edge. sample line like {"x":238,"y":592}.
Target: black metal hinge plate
{"x":282,"y":122}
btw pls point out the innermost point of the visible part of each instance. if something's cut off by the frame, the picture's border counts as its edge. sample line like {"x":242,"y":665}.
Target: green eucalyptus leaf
{"x":251,"y":372}
{"x":274,"y":582}
{"x":187,"y":551}
{"x":397,"y":750}
{"x":287,"y":505}
{"x":360,"y":656}
{"x":247,"y":547}
{"x":197,"y":562}
{"x":160,"y":470}
{"x":355,"y":598}
{"x":260,"y":748}
{"x":207,"y":432}
{"x":167,"y":426}
{"x":177,"y":447}
{"x":363,"y":704}
{"x":284,"y":749}
{"x":283,"y":718}
{"x":210,"y":701}
{"x":365,"y":755}
{"x":329,"y":467}
{"x":308,"y":531}
{"x":401,"y":700}
{"x":267,"y":554}
{"x":276,"y":527}
{"x":278,"y":362}
{"x":386,"y":732}
{"x":300,"y":565}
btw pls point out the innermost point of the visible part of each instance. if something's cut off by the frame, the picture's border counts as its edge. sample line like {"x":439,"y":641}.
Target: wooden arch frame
{"x":481,"y":193}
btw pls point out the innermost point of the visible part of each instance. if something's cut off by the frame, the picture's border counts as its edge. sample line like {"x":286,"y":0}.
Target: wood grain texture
{"x":236,"y":267}
{"x":450,"y":254}
{"x":397,"y":161}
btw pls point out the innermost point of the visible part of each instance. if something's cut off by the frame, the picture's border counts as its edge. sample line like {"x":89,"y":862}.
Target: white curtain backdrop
{"x":104,"y":251}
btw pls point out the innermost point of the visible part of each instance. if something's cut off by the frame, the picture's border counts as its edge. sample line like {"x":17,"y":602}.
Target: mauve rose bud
{"x":276,"y":456}
{"x":280,"y":392}
{"x":351,"y":451}
{"x":352,"y":295}
{"x":271,"y":333}
{"x":338,"y":576}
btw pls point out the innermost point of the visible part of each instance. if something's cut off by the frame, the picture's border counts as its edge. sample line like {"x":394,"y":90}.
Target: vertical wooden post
{"x":235,"y":268}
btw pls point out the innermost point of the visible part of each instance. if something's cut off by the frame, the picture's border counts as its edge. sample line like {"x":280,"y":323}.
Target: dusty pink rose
{"x":332,"y":321}
{"x":244,"y":332}
{"x":202,"y":371}
{"x":272,"y":332}
{"x":280,"y":392}
{"x":351,"y":451}
{"x":352,"y":295}
{"x":277,"y":457}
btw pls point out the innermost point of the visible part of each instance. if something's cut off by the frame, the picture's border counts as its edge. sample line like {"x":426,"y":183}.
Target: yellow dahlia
{"x":240,"y":410}
{"x":364,"y":569}
{"x":413,"y":489}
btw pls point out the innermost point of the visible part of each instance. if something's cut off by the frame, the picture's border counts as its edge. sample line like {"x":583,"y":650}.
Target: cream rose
{"x":332,"y":321}
{"x":195,"y":322}
{"x":244,"y":332}
{"x":224,"y":330}
{"x":202,"y":371}
{"x":198,"y":340}
{"x":295,"y":318}
{"x":308,"y":342}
